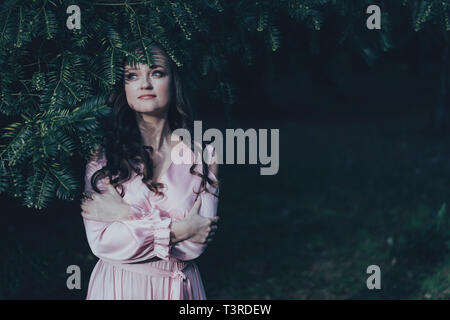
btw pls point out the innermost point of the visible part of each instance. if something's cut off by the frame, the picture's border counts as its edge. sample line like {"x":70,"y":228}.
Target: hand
{"x":202,"y":229}
{"x":108,"y":206}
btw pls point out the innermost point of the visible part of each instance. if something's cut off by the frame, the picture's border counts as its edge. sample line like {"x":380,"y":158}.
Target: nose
{"x":146,"y":83}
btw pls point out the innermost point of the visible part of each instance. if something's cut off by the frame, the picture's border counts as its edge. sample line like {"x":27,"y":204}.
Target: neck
{"x":155,"y":131}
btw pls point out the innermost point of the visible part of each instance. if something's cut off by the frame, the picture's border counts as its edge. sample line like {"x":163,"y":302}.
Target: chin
{"x":151,"y":110}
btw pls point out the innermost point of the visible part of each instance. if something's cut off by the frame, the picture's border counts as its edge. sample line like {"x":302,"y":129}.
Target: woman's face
{"x":148,"y":89}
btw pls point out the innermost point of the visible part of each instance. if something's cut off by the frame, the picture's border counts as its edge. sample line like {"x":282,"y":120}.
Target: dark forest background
{"x":363,"y":180}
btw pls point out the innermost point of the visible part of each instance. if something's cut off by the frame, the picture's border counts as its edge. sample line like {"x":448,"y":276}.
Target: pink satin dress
{"x":136,"y":260}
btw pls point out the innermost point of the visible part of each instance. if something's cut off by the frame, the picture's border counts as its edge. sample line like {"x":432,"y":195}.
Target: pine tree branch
{"x":25,"y":94}
{"x":148,"y":60}
{"x":6,"y":23}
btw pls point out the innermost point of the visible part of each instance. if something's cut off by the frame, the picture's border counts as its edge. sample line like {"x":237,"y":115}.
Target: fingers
{"x":88,"y":203}
{"x":84,"y":204}
{"x":88,"y":215}
{"x":204,"y":239}
{"x":214,"y":220}
{"x":86,"y":196}
{"x":210,"y":237}
{"x":212,"y":233}
{"x":213,"y":230}
{"x":87,"y":207}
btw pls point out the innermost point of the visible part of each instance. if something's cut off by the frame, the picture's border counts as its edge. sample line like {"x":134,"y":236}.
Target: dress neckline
{"x":163,"y":174}
{"x":166,"y":171}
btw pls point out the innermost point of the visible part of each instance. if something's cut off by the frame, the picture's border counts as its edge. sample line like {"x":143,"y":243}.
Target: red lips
{"x":147,"y":96}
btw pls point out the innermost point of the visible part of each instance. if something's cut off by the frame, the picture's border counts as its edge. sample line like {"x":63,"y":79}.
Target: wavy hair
{"x":123,"y":146}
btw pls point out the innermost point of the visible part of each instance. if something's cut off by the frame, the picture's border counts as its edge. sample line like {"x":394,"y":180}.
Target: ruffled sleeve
{"x":143,"y":236}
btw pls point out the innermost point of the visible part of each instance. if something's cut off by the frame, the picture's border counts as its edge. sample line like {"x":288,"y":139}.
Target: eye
{"x":129,"y":76}
{"x":158,"y":72}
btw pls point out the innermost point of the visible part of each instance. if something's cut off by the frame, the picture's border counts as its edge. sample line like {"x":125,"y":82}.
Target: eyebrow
{"x":153,"y":66}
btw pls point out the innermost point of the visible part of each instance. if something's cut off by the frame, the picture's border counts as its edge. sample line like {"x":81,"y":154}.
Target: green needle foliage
{"x":54,"y":81}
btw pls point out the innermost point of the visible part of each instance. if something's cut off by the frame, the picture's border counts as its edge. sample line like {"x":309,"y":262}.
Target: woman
{"x":166,"y":213}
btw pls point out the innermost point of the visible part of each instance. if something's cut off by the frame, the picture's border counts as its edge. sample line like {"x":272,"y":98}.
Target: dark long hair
{"x":123,"y":146}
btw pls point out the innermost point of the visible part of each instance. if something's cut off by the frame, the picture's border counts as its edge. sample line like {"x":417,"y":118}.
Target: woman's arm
{"x":124,"y":237}
{"x":187,"y":249}
{"x":129,"y":240}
